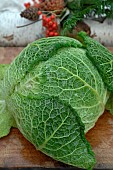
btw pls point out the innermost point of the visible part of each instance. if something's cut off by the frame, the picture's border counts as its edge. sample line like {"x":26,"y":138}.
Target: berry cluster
{"x":49,"y":22}
{"x":51,"y":25}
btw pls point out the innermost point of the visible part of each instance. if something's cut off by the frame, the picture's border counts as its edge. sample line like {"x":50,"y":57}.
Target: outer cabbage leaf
{"x":6,"y":119}
{"x":54,"y":128}
{"x":101,"y":57}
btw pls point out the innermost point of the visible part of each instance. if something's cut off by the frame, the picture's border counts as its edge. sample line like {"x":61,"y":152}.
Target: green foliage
{"x":80,"y":8}
{"x":109,"y":12}
{"x":77,"y":12}
{"x":73,"y":5}
{"x":69,"y":24}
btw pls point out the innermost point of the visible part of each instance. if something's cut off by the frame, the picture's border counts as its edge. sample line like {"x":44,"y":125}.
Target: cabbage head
{"x":54,"y":92}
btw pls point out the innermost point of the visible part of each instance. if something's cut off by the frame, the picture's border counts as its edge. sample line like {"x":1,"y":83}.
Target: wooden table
{"x":16,"y":151}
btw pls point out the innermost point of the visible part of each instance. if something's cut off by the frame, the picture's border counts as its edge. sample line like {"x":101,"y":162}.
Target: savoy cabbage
{"x":54,"y":92}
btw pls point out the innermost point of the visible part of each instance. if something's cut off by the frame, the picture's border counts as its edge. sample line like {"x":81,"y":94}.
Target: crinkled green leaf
{"x":3,"y":68}
{"x":101,"y":57}
{"x":6,"y":119}
{"x":54,"y":128}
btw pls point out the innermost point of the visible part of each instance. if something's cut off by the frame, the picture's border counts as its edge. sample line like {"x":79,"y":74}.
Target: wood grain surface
{"x":16,"y":151}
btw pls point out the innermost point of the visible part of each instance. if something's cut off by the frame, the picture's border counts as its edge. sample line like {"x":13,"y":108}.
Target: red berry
{"x":43,"y":16}
{"x":52,"y":16}
{"x":51,"y":33}
{"x":54,"y":26}
{"x":50,"y":28}
{"x":56,"y":34}
{"x":49,"y":19}
{"x":39,"y":12}
{"x":27,"y":5}
{"x":50,"y":23}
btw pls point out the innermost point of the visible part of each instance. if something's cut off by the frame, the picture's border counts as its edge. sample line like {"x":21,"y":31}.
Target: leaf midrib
{"x":43,"y":145}
{"x":85,"y":84}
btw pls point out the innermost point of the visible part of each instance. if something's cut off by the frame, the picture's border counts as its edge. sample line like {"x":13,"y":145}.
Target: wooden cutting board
{"x":16,"y":151}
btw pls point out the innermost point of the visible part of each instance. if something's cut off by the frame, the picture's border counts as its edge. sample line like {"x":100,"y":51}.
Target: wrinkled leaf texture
{"x":6,"y":119}
{"x":54,"y":91}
